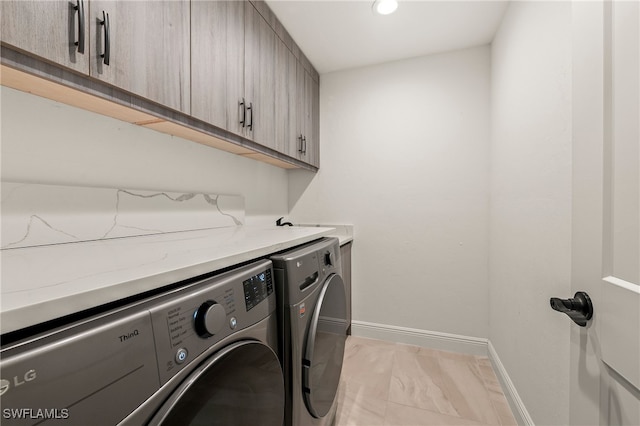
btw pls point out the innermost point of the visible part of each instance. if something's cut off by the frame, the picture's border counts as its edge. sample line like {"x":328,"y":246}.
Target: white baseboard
{"x":449,"y":342}
{"x":515,"y":402}
{"x":425,"y":338}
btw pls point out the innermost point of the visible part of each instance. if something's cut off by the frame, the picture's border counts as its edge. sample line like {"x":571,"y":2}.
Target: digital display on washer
{"x":257,"y":288}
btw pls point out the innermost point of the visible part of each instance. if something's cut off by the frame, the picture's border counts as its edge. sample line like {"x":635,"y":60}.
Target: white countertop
{"x":47,"y":282}
{"x":344,"y":233}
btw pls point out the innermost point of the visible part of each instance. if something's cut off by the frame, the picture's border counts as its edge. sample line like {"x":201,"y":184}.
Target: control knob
{"x":209,"y":318}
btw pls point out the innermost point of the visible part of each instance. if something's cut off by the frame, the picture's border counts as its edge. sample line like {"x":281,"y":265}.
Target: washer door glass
{"x":324,"y":350}
{"x":239,"y":386}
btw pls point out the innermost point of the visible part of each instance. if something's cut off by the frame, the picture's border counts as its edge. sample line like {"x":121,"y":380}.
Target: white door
{"x":605,"y":356}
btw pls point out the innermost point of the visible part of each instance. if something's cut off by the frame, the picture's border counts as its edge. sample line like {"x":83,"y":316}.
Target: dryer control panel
{"x":191,"y":320}
{"x":300,"y":271}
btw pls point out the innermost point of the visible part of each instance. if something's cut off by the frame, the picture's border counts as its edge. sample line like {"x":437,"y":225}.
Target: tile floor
{"x":387,"y":383}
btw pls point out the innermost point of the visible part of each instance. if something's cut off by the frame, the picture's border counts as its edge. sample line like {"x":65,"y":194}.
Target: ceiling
{"x":337,"y":35}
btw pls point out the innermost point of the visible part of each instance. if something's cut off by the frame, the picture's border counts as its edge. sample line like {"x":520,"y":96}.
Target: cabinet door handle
{"x":80,"y":8}
{"x":107,"y":44}
{"x":250,"y":108}
{"x":244,"y":112}
{"x":304,"y":141}
{"x":300,"y":150}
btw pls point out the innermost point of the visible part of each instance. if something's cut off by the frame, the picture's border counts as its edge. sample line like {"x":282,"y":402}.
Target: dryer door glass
{"x":325,"y":347}
{"x":239,"y":386}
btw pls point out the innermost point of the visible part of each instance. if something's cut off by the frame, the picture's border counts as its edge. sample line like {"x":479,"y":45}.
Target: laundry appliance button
{"x":181,"y":355}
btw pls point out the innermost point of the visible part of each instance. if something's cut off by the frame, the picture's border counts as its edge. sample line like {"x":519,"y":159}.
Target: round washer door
{"x":238,"y":386}
{"x":324,"y":349}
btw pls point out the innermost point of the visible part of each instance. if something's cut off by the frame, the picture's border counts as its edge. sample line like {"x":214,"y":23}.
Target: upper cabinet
{"x":143,"y":47}
{"x":303,"y":125}
{"x":233,"y":69}
{"x":217,"y":63}
{"x":229,"y":68}
{"x":57,"y":31}
{"x":260,"y":77}
{"x":308,"y":128}
{"x":286,"y":101}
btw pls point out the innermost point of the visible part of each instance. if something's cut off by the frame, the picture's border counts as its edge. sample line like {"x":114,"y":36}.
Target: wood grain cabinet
{"x":246,"y":79}
{"x":143,"y":47}
{"x":297,"y":109}
{"x":217,"y":63}
{"x":228,"y":64}
{"x":286,"y":101}
{"x":260,"y":77}
{"x":233,"y":69}
{"x":305,"y":144}
{"x":57,"y":31}
{"x":312,"y":121}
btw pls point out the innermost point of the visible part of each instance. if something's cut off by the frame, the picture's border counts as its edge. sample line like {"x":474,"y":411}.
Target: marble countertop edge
{"x":343,"y":232}
{"x":164,"y":260}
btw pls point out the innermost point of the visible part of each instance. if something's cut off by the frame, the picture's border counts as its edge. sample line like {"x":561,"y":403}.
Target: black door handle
{"x":107,"y":43}
{"x":579,"y":308}
{"x":244,"y":112}
{"x":80,"y":8}
{"x":250,"y":108}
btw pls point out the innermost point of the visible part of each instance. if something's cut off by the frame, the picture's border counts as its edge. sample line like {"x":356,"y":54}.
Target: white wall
{"x":530,"y":227}
{"x":404,"y":157}
{"x":48,"y":142}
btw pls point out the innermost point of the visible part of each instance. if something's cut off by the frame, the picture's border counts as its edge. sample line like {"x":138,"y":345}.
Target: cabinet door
{"x":259,"y":81}
{"x":48,"y":29}
{"x":313,"y":122}
{"x":307,"y":119}
{"x":148,"y":48}
{"x":301,"y":117}
{"x":217,"y":62}
{"x":285,"y":120}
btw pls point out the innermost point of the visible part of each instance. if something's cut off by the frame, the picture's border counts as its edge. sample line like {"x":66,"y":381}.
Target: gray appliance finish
{"x":312,"y":321}
{"x":202,"y":354}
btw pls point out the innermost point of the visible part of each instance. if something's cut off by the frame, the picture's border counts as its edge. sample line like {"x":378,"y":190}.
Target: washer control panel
{"x":189,"y":321}
{"x":257,"y":288}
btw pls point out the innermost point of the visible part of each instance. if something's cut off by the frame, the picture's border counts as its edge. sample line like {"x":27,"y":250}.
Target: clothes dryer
{"x":312,"y":322}
{"x":204,"y":354}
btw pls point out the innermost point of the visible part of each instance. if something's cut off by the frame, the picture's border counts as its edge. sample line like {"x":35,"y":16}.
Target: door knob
{"x":579,"y":308}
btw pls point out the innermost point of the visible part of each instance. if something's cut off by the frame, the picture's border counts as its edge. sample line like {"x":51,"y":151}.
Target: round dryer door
{"x":324,"y":349}
{"x":238,"y":386}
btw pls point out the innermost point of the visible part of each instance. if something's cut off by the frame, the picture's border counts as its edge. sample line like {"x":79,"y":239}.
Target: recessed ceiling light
{"x":385,"y":7}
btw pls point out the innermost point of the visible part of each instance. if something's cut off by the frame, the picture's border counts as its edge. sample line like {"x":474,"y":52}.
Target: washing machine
{"x":312,"y":322}
{"x":201,"y":354}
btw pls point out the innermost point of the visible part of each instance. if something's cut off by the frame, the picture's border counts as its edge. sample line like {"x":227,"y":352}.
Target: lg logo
{"x":5,"y":384}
